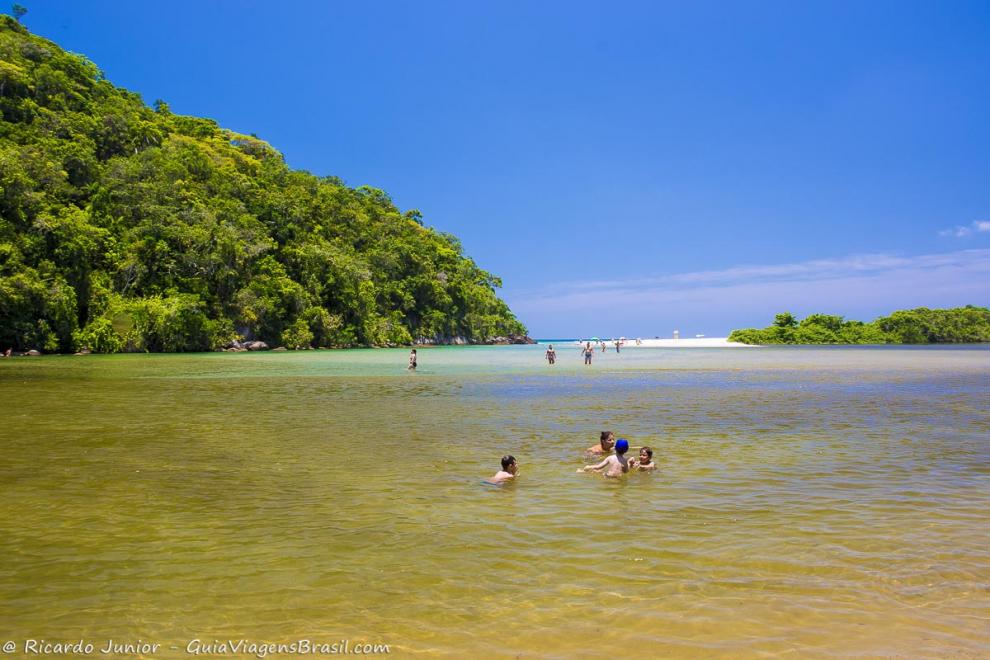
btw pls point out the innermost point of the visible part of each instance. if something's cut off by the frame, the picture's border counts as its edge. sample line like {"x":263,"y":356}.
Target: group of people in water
{"x":587,"y":350}
{"x":614,"y":465}
{"x":551,"y":355}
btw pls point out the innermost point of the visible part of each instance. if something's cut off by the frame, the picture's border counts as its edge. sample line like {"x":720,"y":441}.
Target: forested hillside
{"x":127,"y":227}
{"x":962,"y":325}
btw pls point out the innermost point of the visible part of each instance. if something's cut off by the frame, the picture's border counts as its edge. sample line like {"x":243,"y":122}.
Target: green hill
{"x":962,"y":325}
{"x":125,"y":227}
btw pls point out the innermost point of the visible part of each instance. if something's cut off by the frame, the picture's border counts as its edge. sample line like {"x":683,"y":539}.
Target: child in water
{"x":645,"y":462}
{"x":614,"y":466}
{"x":604,"y":446}
{"x":509,"y":470}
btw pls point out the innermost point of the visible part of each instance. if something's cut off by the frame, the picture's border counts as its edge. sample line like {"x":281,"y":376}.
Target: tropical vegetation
{"x":913,"y":326}
{"x":125,"y":227}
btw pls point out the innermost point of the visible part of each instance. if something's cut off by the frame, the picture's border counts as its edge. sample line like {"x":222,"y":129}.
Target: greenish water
{"x":810,"y":502}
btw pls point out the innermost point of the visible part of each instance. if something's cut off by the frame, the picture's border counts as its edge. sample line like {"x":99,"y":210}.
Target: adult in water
{"x":589,"y":352}
{"x":551,"y":355}
{"x":412,"y":360}
{"x":605,"y":443}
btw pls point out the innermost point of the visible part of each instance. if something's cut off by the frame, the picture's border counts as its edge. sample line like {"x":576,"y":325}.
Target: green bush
{"x":99,"y":336}
{"x":968,"y":324}
{"x":297,"y":335}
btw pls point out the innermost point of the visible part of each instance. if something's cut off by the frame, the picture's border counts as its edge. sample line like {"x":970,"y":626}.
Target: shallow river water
{"x":830,"y":502}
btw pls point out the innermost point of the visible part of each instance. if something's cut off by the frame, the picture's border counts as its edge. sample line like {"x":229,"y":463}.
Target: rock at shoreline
{"x":441,"y":341}
{"x":238,"y":346}
{"x":511,"y":340}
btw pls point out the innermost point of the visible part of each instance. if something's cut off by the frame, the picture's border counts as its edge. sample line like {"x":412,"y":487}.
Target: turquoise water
{"x":814,"y":502}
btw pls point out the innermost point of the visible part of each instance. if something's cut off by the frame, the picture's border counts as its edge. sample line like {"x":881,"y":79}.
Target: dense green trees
{"x":124,"y":227}
{"x":915,"y":326}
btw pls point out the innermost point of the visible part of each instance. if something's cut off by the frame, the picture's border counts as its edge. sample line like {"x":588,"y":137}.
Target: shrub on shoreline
{"x":961,"y":325}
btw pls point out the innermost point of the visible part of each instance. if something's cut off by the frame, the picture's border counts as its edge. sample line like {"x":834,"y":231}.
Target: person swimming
{"x":645,"y":462}
{"x":508,"y":472}
{"x":605,"y":443}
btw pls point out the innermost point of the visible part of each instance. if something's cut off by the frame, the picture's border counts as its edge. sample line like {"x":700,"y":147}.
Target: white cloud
{"x":959,"y":231}
{"x":856,"y":286}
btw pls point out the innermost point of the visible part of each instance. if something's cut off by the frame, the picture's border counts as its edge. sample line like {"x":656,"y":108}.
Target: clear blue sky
{"x":626,"y":168}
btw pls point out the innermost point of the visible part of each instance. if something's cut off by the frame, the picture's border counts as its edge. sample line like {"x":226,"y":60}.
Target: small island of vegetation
{"x":130,"y":228}
{"x":962,"y":325}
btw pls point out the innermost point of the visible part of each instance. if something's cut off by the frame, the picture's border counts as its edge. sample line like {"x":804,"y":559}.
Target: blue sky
{"x":626,"y":168}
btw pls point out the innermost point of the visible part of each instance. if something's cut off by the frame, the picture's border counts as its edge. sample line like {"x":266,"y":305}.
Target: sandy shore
{"x":686,"y":342}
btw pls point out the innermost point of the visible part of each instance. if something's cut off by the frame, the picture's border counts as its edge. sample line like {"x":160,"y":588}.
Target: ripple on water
{"x":810,"y":503}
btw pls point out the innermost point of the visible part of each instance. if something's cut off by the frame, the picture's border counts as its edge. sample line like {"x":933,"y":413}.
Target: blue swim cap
{"x":621,"y":445}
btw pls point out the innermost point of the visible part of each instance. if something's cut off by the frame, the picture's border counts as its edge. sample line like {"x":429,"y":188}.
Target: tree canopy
{"x":962,"y":325}
{"x":127,"y":227}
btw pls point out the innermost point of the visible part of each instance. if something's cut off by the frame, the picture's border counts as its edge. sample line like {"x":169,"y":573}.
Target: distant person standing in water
{"x":589,"y":352}
{"x":551,"y":355}
{"x":412,"y":360}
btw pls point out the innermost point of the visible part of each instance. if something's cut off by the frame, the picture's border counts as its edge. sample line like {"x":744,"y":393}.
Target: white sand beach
{"x":684,"y":342}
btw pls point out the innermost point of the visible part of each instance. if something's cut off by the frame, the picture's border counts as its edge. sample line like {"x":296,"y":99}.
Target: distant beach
{"x":686,"y":342}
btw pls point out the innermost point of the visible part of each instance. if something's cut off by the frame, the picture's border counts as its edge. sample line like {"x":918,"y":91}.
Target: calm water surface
{"x":810,"y":502}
